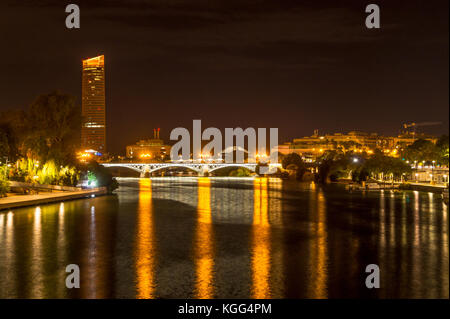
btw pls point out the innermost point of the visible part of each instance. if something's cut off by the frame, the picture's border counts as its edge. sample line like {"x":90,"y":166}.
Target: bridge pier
{"x":144,"y":170}
{"x":203,"y":171}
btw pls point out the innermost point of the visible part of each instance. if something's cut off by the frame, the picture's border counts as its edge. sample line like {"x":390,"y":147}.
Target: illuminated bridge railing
{"x":200,"y":168}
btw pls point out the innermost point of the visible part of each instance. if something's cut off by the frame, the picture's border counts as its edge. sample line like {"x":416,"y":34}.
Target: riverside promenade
{"x":16,"y":201}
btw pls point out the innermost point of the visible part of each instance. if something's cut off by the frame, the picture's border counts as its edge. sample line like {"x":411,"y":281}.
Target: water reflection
{"x":444,"y":257}
{"x":61,"y":247}
{"x":36,"y":257}
{"x":145,"y":247}
{"x":260,"y":241}
{"x":95,"y":253}
{"x":7,"y":253}
{"x":318,"y":252}
{"x":204,"y":244}
{"x":225,"y":238}
{"x":413,"y":245}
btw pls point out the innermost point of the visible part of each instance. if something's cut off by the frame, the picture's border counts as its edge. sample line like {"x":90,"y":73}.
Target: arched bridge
{"x":200,"y":168}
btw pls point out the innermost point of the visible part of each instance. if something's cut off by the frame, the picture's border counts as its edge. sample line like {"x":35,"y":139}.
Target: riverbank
{"x":16,"y":201}
{"x":378,"y":185}
{"x":426,"y":187}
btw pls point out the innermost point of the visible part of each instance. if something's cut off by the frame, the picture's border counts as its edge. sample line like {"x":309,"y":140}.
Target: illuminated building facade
{"x":93,"y":131}
{"x":310,"y":147}
{"x":149,"y":149}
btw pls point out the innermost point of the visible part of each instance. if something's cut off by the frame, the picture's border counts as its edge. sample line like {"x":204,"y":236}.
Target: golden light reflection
{"x":2,"y":217}
{"x":444,"y":250}
{"x":322,"y":258}
{"x":61,"y":242}
{"x":260,"y":241}
{"x":204,"y":248}
{"x":92,"y":258}
{"x":8,"y":246}
{"x":318,"y":259}
{"x":416,"y":257}
{"x":145,"y":248}
{"x":403,"y":221}
{"x":392,"y":220}
{"x":37,"y":254}
{"x":416,"y":219}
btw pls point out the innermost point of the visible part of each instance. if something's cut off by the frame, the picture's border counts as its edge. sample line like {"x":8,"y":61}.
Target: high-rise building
{"x":93,"y":131}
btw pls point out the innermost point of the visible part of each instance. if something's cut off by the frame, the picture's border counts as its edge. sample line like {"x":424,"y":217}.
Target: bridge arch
{"x":143,"y":168}
{"x":158,"y":168}
{"x":136,"y":168}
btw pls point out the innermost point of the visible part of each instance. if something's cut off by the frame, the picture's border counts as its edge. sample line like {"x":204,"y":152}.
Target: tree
{"x":4,"y":183}
{"x":4,"y":146}
{"x":442,"y":148}
{"x":398,"y":168}
{"x":421,"y":151}
{"x":47,"y":133}
{"x":294,"y":161}
{"x":53,"y":124}
{"x":49,"y":173}
{"x":381,"y":165}
{"x":334,"y":165}
{"x":348,"y":145}
{"x":11,"y":132}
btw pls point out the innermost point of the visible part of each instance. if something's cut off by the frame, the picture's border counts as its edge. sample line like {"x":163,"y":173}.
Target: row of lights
{"x":207,"y":157}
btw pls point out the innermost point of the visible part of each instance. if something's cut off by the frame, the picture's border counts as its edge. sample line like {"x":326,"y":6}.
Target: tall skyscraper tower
{"x":93,"y":131}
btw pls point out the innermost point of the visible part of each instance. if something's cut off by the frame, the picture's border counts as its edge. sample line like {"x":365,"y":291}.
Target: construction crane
{"x":414,"y":125}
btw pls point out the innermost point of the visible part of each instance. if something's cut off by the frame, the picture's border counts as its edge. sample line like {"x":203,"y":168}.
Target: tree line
{"x":335,"y":164}
{"x":39,"y":143}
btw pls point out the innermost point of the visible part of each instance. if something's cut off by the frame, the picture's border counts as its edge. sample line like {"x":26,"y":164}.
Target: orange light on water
{"x":145,"y":244}
{"x":261,"y":259}
{"x":204,"y":246}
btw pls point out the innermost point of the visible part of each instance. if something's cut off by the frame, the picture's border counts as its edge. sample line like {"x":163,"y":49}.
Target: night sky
{"x":295,"y":65}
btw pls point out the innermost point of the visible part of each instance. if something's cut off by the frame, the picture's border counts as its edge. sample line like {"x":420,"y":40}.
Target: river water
{"x":228,"y":238}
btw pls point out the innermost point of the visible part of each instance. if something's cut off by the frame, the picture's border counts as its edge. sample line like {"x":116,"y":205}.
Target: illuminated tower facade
{"x":93,"y":131}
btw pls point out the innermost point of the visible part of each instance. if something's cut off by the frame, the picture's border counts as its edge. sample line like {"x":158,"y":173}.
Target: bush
{"x":100,"y":176}
{"x":294,"y":162}
{"x":68,"y":176}
{"x":4,"y":184}
{"x":30,"y":171}
{"x":48,"y":174}
{"x":240,"y":172}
